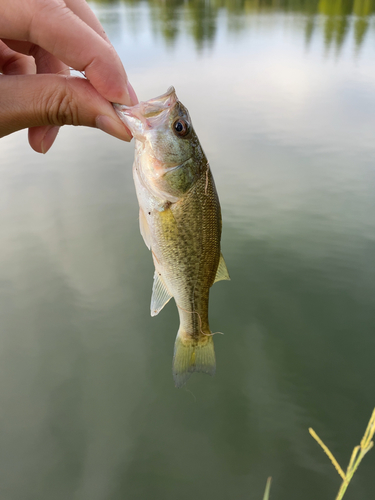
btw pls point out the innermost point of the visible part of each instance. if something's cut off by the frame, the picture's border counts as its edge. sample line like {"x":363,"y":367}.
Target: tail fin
{"x":192,"y":357}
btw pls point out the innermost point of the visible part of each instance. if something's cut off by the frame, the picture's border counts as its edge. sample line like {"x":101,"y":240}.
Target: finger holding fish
{"x":48,"y":38}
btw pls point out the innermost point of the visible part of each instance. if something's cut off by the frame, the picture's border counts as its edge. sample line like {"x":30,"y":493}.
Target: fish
{"x":180,"y":222}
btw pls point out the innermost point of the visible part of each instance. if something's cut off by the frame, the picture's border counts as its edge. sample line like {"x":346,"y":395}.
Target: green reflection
{"x":199,"y":18}
{"x":166,"y":18}
{"x":202,"y":19}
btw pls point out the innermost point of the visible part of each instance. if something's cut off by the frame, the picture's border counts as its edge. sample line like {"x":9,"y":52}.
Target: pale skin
{"x":39,"y":41}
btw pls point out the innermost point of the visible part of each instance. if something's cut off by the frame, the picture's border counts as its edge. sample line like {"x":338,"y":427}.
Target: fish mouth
{"x":146,"y":115}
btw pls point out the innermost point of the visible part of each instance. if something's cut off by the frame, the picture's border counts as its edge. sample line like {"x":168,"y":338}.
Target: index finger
{"x":53,"y":26}
{"x":83,"y":11}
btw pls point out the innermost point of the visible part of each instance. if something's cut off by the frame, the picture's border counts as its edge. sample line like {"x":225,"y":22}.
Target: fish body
{"x":180,"y":221}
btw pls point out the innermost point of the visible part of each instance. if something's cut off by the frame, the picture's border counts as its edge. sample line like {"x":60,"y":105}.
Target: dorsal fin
{"x":160,"y":294}
{"x":222,"y":271}
{"x":145,"y":230}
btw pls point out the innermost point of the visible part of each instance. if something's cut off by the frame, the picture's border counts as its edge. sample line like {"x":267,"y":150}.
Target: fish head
{"x":166,"y":143}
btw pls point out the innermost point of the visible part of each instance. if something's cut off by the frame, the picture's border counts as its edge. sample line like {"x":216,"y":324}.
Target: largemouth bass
{"x":180,"y":221}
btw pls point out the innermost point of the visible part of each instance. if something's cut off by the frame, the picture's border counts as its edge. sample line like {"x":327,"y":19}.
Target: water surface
{"x":282,"y":96}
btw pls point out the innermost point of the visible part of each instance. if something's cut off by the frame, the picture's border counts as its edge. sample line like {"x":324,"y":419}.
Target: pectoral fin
{"x":145,"y":230}
{"x":160,"y":295}
{"x":222,"y":271}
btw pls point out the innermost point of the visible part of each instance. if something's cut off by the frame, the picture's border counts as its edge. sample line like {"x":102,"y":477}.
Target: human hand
{"x":47,"y":37}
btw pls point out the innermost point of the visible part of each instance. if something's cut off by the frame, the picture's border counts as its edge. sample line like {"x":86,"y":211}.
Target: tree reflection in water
{"x":331,"y":18}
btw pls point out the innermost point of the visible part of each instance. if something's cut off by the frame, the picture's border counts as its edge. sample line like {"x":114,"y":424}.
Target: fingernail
{"x":113,"y":127}
{"x":125,"y":97}
{"x":132,"y":94}
{"x":49,"y":139}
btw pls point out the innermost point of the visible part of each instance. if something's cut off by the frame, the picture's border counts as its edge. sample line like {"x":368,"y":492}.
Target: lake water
{"x":282,"y":96}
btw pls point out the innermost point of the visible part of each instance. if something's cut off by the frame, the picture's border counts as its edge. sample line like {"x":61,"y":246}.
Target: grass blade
{"x":358,"y":453}
{"x":267,"y":490}
{"x":328,"y":453}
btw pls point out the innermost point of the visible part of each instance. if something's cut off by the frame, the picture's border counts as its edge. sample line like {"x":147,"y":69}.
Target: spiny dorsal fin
{"x":145,"y":230}
{"x":160,"y":294}
{"x":222,"y":271}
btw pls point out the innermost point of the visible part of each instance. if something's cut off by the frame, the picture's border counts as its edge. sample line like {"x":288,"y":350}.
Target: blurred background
{"x":282,"y":96}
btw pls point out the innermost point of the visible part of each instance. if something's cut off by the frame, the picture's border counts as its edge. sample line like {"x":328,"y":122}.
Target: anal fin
{"x":160,"y":294}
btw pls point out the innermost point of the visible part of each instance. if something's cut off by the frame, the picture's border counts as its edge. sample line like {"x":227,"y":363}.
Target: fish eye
{"x":181,"y":127}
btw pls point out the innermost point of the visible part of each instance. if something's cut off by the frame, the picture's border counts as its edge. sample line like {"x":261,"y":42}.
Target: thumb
{"x":36,"y":100}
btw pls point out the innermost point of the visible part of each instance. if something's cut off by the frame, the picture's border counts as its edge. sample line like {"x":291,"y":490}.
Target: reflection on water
{"x":333,"y":20}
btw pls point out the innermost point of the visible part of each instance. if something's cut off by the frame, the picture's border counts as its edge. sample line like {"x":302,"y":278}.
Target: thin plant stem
{"x":358,"y":453}
{"x":267,"y":490}
{"x":328,"y":453}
